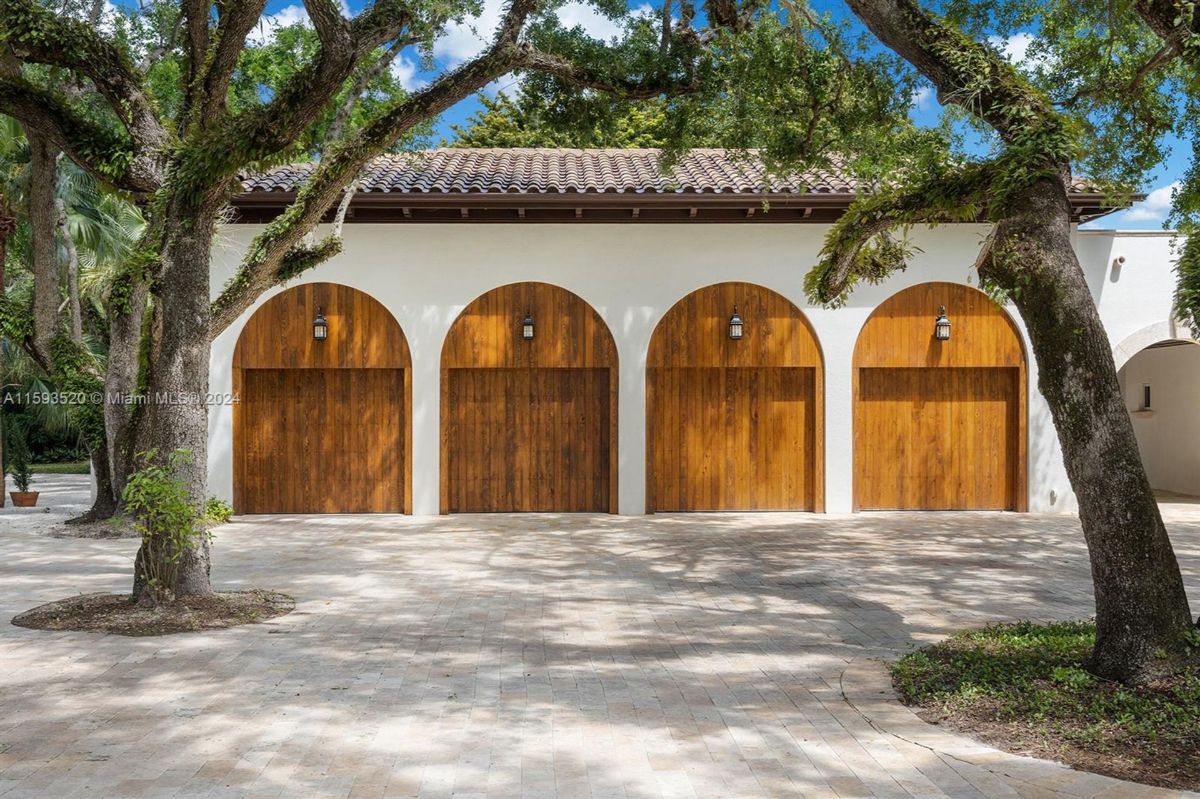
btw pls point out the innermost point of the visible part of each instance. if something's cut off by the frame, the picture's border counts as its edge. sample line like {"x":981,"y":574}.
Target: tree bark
{"x":1142,"y":613}
{"x":8,"y":223}
{"x":176,"y":414}
{"x":64,"y":232}
{"x":43,"y":218}
{"x":104,"y":506}
{"x":121,"y":408}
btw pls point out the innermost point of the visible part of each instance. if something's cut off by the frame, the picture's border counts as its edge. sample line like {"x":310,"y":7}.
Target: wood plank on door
{"x":323,"y":441}
{"x":937,"y":438}
{"x":527,"y":440}
{"x":732,"y":438}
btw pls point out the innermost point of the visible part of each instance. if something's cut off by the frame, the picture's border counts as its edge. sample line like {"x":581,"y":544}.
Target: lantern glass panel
{"x":320,"y":326}
{"x":737,"y":326}
{"x":941,"y":327}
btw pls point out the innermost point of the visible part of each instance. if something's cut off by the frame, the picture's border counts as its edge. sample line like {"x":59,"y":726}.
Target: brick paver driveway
{"x":536,"y":655}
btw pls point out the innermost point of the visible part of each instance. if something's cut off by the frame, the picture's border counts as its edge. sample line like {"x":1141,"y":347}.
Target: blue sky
{"x":462,"y":41}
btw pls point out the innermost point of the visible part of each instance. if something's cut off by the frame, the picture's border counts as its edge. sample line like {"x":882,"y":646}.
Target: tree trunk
{"x":1142,"y":614}
{"x":64,"y":232}
{"x":8,"y":224}
{"x":177,"y":416}
{"x":43,"y":217}
{"x":121,"y":390}
{"x":104,"y":506}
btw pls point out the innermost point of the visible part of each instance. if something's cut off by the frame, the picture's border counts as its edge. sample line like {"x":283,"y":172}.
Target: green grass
{"x":1025,"y":685}
{"x":59,"y":468}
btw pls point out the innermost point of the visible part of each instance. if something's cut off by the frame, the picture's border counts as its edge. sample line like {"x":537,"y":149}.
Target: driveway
{"x":589,"y":656}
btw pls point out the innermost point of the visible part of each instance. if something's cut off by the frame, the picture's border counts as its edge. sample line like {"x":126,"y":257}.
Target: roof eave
{"x":375,"y":205}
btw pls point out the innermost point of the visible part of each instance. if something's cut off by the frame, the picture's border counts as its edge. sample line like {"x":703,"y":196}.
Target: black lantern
{"x":736,"y":325}
{"x":320,"y":326}
{"x":941,"y":327}
{"x":527,"y":327}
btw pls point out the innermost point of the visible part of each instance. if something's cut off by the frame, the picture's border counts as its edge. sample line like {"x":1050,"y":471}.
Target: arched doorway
{"x":529,"y":420}
{"x":734,"y":423}
{"x":1161,"y":383}
{"x":323,"y":426}
{"x":939,"y":424}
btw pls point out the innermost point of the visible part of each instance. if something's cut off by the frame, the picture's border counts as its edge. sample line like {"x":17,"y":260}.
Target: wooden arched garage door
{"x":939,"y":425}
{"x":734,"y":424}
{"x":529,"y":424}
{"x":322,"y":426}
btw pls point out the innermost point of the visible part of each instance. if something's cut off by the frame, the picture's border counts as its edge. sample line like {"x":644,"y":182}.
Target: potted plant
{"x":18,"y":467}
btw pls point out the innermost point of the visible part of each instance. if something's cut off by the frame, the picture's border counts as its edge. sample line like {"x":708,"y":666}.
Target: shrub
{"x":217,"y":511}
{"x":165,"y":517}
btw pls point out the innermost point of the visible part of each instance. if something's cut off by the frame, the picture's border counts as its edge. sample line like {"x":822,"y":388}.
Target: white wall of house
{"x":632,"y":274}
{"x":1168,"y":432}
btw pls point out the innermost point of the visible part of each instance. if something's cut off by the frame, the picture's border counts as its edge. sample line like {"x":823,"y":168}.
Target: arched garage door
{"x":939,"y":425}
{"x":734,"y":424}
{"x":529,"y":424}
{"x":323,"y":426}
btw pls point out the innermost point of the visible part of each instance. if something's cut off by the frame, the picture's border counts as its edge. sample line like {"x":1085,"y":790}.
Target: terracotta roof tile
{"x":560,"y":171}
{"x":557,"y":172}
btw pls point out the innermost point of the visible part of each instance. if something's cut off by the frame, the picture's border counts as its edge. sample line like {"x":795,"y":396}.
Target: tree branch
{"x":265,"y":130}
{"x":37,"y":35}
{"x":237,"y":19}
{"x":195,"y":15}
{"x":381,"y":22}
{"x":278,"y":253}
{"x":964,"y":71}
{"x":1172,"y":46}
{"x":1169,"y":18}
{"x":97,"y":149}
{"x":859,"y":245}
{"x":338,"y":127}
{"x":627,"y":88}
{"x":332,"y":28}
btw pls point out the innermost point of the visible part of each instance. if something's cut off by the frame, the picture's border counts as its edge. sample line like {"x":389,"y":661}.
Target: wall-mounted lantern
{"x":527,"y":327}
{"x":941,"y":327}
{"x":736,"y":326}
{"x":320,"y":326}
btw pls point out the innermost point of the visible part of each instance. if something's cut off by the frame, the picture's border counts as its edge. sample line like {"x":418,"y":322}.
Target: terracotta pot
{"x":24,"y":499}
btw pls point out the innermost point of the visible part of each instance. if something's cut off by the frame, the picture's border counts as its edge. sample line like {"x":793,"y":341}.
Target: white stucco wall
{"x":1169,"y":433}
{"x":631,"y":274}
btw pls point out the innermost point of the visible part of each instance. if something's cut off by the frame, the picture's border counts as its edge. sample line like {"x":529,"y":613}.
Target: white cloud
{"x":1015,"y":48}
{"x":404,"y":70}
{"x":265,"y":30}
{"x":586,"y":16}
{"x":467,"y":39}
{"x":107,"y":21}
{"x":1154,"y":208}
{"x":464,"y":40}
{"x":924,"y":98}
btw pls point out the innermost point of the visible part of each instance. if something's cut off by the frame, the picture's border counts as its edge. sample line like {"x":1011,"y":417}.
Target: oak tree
{"x":167,"y":125}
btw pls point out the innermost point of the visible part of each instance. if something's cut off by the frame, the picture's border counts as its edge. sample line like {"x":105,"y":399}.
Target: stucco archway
{"x":1163,"y":330}
{"x":1160,"y":384}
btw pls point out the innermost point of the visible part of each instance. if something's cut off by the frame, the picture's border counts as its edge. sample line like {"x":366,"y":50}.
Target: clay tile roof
{"x":560,"y":171}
